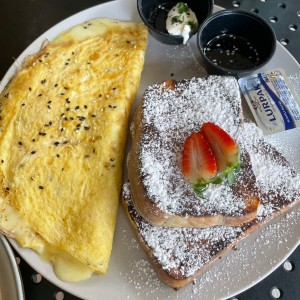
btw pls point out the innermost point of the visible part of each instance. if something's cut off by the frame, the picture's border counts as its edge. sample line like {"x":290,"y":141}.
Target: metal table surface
{"x":22,"y":21}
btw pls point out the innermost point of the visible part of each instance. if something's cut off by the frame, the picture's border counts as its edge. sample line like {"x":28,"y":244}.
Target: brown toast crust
{"x":150,"y":209}
{"x":178,"y":250}
{"x":173,"y":277}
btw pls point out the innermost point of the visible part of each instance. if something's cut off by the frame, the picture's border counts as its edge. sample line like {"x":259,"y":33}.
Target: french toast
{"x":180,"y":254}
{"x":168,"y":113}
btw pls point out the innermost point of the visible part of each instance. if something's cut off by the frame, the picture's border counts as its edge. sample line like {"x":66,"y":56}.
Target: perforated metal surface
{"x":283,"y":16}
{"x":281,"y":284}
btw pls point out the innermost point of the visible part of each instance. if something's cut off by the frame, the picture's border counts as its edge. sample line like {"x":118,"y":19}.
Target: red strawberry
{"x":224,"y":148}
{"x":198,"y":162}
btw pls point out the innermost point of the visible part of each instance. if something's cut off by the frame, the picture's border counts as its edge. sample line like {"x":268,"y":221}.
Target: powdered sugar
{"x":276,"y":179}
{"x":193,"y":102}
{"x":169,"y":116}
{"x":182,"y":252}
{"x":149,"y":283}
{"x":271,"y":175}
{"x":252,"y":257}
{"x":221,"y":198}
{"x":272,"y":171}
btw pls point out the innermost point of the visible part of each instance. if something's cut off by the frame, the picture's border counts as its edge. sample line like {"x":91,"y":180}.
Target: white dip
{"x":182,"y":21}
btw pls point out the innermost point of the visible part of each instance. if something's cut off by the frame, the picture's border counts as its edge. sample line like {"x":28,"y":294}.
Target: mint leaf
{"x":238,"y":167}
{"x":199,"y":188}
{"x":231,"y":178}
{"x":229,"y":173}
{"x":176,"y":19}
{"x":217,"y":180}
{"x":182,"y":8}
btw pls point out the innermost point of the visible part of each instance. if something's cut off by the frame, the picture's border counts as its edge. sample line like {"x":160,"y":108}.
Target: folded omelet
{"x":63,"y":127}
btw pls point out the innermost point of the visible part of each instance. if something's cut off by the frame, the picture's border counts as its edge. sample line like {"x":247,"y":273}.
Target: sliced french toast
{"x":180,"y":254}
{"x":167,"y":115}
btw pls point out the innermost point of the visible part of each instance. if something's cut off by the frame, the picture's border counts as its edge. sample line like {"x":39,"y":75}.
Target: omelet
{"x":63,"y":128}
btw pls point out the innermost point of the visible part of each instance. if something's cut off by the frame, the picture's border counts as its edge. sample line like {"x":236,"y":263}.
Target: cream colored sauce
{"x":88,"y":29}
{"x":178,"y":23}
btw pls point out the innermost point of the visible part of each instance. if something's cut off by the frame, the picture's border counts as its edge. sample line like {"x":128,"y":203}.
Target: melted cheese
{"x":88,"y":29}
{"x":66,"y":267}
{"x":63,"y":131}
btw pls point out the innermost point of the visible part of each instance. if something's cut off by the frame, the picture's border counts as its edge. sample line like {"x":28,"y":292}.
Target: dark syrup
{"x":232,"y":52}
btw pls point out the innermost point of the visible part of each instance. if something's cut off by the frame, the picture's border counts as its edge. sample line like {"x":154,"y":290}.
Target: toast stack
{"x":181,"y":232}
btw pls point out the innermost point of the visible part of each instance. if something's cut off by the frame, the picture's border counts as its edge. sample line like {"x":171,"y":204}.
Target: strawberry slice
{"x":198,"y":162}
{"x":224,"y":148}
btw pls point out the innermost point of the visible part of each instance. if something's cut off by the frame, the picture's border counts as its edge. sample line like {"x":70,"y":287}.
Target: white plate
{"x":130,"y":275}
{"x":11,"y":286}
